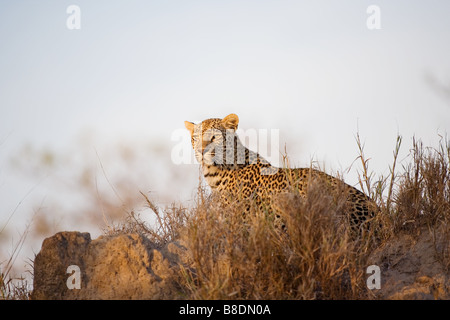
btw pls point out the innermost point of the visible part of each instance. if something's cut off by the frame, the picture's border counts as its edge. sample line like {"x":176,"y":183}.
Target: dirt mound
{"x":414,"y":267}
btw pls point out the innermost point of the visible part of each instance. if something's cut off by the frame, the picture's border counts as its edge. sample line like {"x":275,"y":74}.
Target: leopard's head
{"x":211,"y":137}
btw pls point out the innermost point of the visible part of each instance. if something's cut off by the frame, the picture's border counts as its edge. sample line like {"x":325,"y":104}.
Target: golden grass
{"x":245,"y":257}
{"x":236,"y":256}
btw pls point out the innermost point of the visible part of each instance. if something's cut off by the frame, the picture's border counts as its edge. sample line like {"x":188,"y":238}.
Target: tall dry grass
{"x":236,"y":256}
{"x":245,"y":257}
{"x":423,"y":197}
{"x":13,"y":287}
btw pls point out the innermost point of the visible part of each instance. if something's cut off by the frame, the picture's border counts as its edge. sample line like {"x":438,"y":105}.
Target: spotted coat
{"x":236,"y":172}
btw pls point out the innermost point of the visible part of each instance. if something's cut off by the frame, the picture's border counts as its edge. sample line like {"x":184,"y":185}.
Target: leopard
{"x":235,"y":172}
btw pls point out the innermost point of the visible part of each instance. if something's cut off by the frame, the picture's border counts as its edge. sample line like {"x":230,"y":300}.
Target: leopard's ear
{"x":231,"y":121}
{"x":189,"y":126}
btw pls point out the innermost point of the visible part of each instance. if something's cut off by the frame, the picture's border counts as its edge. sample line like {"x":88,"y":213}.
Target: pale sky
{"x":135,"y":70}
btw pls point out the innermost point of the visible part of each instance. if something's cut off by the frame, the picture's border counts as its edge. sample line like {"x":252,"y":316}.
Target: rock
{"x":125,"y":266}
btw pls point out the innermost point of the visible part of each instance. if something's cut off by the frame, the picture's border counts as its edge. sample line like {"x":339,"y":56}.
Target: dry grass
{"x":423,"y":197}
{"x":232,"y":256}
{"x":167,"y":228}
{"x":244,"y":257}
{"x":12,"y":287}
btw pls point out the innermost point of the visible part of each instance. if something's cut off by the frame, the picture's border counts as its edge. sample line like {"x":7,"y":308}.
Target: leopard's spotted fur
{"x":235,"y":171}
